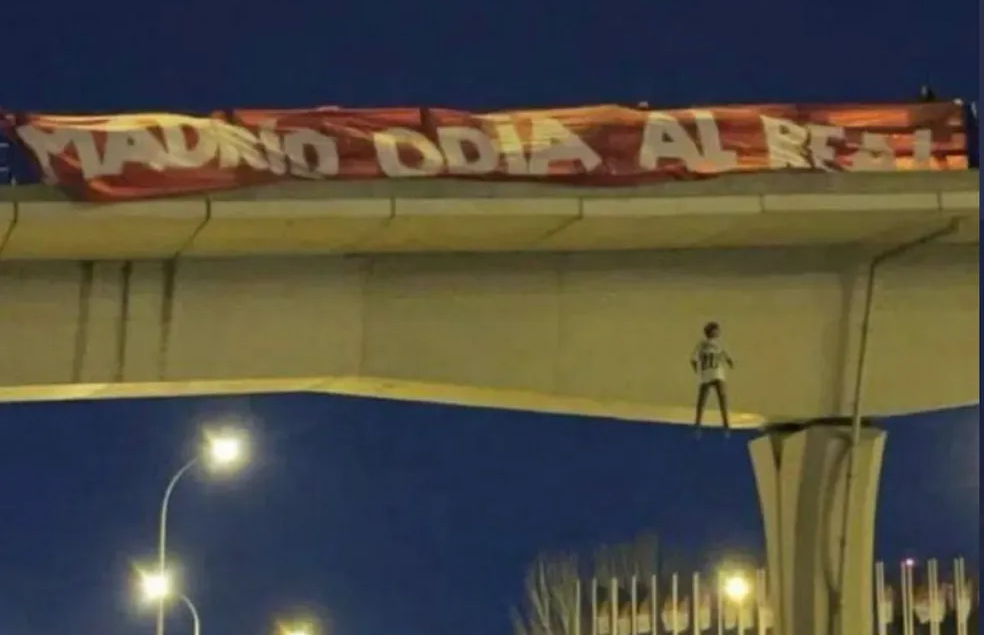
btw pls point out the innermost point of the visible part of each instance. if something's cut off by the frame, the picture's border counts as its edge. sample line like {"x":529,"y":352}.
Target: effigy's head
{"x":712,"y":330}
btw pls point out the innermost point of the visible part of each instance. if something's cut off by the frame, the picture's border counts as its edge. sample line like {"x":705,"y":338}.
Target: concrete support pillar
{"x":800,"y":470}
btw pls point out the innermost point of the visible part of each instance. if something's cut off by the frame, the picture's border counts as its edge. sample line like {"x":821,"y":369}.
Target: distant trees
{"x":554,"y":602}
{"x":552,"y":598}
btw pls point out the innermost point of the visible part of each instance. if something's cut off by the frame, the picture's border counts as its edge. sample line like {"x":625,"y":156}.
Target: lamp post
{"x":195,"y":620}
{"x":223,"y":452}
{"x":737,"y":588}
{"x":157,"y":587}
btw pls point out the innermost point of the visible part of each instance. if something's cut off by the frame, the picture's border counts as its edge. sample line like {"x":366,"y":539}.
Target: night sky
{"x":192,"y":54}
{"x":396,"y":518}
{"x":413,"y":519}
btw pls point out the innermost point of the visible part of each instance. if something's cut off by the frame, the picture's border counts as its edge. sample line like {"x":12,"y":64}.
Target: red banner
{"x":133,"y":156}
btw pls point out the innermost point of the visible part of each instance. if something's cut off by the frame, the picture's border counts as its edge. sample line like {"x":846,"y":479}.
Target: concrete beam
{"x":602,"y":328}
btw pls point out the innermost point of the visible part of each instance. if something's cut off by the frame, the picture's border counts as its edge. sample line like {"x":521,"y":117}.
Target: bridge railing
{"x":930,"y":598}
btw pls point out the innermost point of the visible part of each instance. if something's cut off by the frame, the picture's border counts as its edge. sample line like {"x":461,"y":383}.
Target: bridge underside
{"x":606,"y":333}
{"x":577,"y":300}
{"x":382,"y":388}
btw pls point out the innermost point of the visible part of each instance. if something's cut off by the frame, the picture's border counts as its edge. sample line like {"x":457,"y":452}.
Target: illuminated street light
{"x":156,"y":586}
{"x":302,"y":627}
{"x":223,"y":451}
{"x":737,"y":588}
{"x":159,"y":587}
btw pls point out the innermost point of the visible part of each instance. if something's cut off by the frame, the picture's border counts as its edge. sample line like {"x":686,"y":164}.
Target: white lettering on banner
{"x":305,"y":153}
{"x":553,"y":141}
{"x":510,"y":145}
{"x":45,"y":145}
{"x":323,"y":149}
{"x":808,"y":146}
{"x":874,"y":153}
{"x":709,"y":134}
{"x":388,"y":143}
{"x":786,"y":143}
{"x":238,"y":146}
{"x":922,"y":148}
{"x":137,"y":146}
{"x":184,"y":155}
{"x":308,"y":153}
{"x":811,"y":146}
{"x":160,"y":142}
{"x":664,"y":137}
{"x":453,"y":140}
{"x":273,"y":146}
{"x":824,"y":156}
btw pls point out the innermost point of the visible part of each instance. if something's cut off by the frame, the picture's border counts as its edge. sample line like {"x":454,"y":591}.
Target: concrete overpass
{"x":578,"y":300}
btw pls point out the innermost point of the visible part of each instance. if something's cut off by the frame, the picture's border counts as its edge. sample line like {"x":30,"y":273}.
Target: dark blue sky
{"x":116,"y":54}
{"x":398,"y":518}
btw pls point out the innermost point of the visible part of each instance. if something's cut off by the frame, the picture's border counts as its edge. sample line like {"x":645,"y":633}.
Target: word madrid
{"x":602,"y":145}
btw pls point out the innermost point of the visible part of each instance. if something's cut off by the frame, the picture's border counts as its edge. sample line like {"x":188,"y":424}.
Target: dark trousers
{"x":722,"y":396}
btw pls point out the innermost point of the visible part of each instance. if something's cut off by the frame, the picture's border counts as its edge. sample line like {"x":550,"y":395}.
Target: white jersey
{"x":711,"y":358}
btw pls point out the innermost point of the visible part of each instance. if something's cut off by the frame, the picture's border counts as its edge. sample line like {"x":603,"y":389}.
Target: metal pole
{"x":962,"y":599}
{"x":578,"y":614}
{"x":196,"y":622}
{"x":720,"y":604}
{"x":881,"y":599}
{"x":935,"y":615}
{"x":594,"y":606}
{"x":906,"y":608}
{"x":654,"y":611}
{"x":162,"y":536}
{"x":675,"y":598}
{"x":910,"y":592}
{"x":761,"y":600}
{"x":695,"y":602}
{"x":876,"y":262}
{"x":614,"y":607}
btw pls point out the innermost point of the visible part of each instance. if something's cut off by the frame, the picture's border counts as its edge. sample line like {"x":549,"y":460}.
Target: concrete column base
{"x":800,"y":470}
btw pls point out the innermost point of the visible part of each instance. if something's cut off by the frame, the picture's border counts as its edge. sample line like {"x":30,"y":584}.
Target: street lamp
{"x":305,"y":627}
{"x":158,"y":587}
{"x":223,"y":452}
{"x":737,"y":588}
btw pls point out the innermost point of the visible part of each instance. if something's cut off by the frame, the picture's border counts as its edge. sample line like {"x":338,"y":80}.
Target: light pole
{"x":737,"y":589}
{"x":157,"y":587}
{"x":195,"y":620}
{"x":162,"y":538}
{"x":222,"y":452}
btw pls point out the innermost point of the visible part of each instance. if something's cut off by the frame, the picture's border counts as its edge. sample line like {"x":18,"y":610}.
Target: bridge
{"x":580,"y":300}
{"x":537,"y":296}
